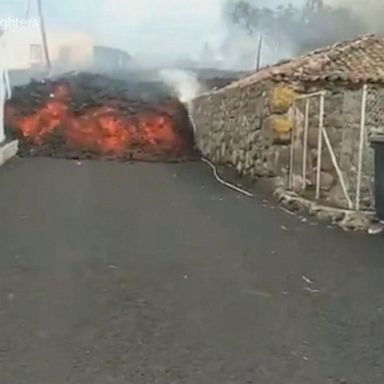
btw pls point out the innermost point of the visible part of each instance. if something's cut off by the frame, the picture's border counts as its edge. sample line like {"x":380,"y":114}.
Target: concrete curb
{"x":8,"y":150}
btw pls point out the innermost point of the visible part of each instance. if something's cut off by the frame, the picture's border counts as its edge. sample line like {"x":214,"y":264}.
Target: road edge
{"x":8,"y":150}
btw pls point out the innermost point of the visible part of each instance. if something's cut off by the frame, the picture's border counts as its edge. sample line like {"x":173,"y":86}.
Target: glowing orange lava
{"x":104,"y":130}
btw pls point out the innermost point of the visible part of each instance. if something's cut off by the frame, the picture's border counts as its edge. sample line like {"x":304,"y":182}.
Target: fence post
{"x":292,"y":152}
{"x":361,"y":146}
{"x":320,"y":145}
{"x":305,"y":143}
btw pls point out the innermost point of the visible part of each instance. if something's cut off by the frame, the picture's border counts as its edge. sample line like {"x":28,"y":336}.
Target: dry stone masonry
{"x":256,"y":123}
{"x":246,"y":128}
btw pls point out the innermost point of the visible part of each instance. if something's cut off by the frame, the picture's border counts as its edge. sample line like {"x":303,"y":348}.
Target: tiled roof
{"x":357,"y":61}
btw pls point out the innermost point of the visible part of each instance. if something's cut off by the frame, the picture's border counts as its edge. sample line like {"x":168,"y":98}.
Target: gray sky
{"x":166,"y":29}
{"x":169,"y":26}
{"x":172,"y":27}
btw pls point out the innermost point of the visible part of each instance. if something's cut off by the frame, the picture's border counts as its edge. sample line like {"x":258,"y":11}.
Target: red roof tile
{"x":360,"y":60}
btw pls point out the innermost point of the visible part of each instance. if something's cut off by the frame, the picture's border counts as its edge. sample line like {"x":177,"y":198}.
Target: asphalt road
{"x":115,"y":273}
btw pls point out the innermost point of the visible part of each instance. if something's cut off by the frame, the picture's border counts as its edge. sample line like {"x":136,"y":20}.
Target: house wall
{"x":250,"y":128}
{"x":247,"y":128}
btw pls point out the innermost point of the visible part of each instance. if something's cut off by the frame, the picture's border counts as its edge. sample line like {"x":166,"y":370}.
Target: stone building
{"x":249,"y":123}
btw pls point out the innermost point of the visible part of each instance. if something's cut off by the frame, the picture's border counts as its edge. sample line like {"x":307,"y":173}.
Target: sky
{"x":170,"y":27}
{"x":157,"y":30}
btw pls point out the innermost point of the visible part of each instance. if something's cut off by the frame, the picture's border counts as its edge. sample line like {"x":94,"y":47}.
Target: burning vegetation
{"x":94,"y":116}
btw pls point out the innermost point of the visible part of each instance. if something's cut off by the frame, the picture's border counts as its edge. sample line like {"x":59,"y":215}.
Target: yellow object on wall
{"x":280,"y":99}
{"x":279,"y":124}
{"x":282,"y":125}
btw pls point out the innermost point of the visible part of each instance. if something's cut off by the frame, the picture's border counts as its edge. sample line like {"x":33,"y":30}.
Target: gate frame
{"x":323,"y":137}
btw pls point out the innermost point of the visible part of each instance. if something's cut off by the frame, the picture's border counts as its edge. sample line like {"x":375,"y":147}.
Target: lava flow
{"x":92,"y":116}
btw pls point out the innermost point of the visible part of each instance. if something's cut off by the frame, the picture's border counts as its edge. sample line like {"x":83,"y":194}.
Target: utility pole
{"x":258,"y":62}
{"x":28,"y":10}
{"x":44,"y":36}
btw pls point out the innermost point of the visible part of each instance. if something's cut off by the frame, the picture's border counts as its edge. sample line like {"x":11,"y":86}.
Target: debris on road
{"x":310,"y":290}
{"x":307,"y":280}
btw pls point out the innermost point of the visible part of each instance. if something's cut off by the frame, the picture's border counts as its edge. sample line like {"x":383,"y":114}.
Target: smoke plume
{"x":300,"y":26}
{"x":371,"y":12}
{"x":221,"y":34}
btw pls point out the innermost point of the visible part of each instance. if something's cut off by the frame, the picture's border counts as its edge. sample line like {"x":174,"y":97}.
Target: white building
{"x":68,"y":50}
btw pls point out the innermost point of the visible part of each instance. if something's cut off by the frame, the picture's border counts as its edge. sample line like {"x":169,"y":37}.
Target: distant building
{"x":107,"y":59}
{"x":67,"y":50}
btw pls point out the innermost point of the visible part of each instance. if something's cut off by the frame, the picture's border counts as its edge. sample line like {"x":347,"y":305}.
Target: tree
{"x":310,"y":26}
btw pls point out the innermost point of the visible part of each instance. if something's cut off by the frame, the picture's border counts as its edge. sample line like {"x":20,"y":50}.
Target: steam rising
{"x":184,"y":83}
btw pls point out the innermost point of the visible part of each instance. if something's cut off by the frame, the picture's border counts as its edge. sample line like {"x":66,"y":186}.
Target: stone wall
{"x":246,"y":128}
{"x":250,"y":129}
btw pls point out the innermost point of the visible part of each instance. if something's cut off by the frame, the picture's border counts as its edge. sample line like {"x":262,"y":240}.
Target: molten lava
{"x":112,"y":126}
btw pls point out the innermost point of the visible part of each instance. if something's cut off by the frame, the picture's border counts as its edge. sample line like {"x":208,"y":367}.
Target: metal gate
{"x":351,"y":158}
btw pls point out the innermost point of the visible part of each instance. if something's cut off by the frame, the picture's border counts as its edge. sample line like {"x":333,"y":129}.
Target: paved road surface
{"x":116,"y":273}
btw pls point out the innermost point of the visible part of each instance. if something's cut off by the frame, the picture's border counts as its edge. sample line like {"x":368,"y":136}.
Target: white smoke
{"x":166,"y":32}
{"x":370,"y":11}
{"x":240,"y":48}
{"x":185,"y":83}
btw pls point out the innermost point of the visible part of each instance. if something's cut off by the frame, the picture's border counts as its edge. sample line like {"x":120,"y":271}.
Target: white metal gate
{"x":310,"y":114}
